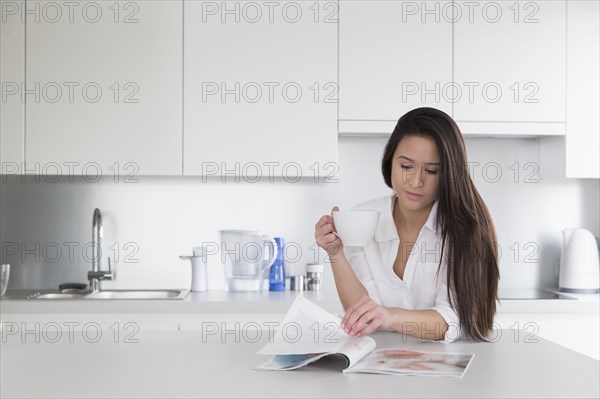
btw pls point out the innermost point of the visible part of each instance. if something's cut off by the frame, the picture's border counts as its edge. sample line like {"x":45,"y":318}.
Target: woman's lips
{"x":413,"y":196}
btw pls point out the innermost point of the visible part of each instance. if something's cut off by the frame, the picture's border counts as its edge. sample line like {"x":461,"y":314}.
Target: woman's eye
{"x":432,"y":172}
{"x":406,"y":167}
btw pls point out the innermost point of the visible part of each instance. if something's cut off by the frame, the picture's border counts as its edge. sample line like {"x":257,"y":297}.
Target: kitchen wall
{"x":45,"y":226}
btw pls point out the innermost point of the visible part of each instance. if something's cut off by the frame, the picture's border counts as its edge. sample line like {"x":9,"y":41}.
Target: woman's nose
{"x":417,"y":179}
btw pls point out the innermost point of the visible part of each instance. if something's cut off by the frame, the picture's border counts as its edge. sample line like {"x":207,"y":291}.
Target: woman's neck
{"x":409,"y":220}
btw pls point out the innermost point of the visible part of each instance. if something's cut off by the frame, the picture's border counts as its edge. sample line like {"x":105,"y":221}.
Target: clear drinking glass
{"x":4,"y":273}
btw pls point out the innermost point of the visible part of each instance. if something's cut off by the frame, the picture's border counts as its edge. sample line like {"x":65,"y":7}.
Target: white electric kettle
{"x":579,"y":262}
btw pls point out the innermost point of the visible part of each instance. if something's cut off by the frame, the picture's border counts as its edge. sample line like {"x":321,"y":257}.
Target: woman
{"x":431,"y":269}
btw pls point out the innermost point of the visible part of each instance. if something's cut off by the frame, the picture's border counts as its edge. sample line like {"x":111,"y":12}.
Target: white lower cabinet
{"x":45,"y":325}
{"x":576,"y":331}
{"x":218,"y":324}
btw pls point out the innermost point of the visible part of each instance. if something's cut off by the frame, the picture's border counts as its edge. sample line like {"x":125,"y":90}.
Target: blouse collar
{"x":386,"y":228}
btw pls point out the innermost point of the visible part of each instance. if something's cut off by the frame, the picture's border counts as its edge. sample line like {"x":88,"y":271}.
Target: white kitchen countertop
{"x":265,"y":302}
{"x":187,"y":364}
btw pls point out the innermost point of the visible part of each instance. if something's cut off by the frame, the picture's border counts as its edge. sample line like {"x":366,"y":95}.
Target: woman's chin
{"x":415,"y":205}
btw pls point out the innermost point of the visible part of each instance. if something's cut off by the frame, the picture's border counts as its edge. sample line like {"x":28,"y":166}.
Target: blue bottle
{"x":277,"y":271}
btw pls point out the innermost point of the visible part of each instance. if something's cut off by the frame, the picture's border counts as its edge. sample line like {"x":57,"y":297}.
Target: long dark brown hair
{"x":467,"y":231}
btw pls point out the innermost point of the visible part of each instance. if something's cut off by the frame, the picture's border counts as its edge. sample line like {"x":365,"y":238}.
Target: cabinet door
{"x":394,"y":56}
{"x":575,"y":330}
{"x":260,"y":88}
{"x":509,"y":62}
{"x":583,"y":91}
{"x":12,"y":71}
{"x":103,"y":83}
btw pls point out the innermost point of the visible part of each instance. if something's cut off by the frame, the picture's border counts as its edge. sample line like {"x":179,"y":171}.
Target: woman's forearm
{"x":349,"y":288}
{"x":424,"y":324}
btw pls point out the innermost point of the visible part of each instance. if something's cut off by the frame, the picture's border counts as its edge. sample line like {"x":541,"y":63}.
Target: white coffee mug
{"x":355,"y":228}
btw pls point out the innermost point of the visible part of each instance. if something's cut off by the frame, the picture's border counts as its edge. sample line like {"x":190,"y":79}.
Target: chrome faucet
{"x":96,"y":274}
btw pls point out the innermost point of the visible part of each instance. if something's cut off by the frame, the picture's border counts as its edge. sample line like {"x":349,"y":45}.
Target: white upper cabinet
{"x":394,"y":56}
{"x":583,"y":90}
{"x":104,"y":87}
{"x":577,"y":155}
{"x":12,"y":71}
{"x":260,"y":84}
{"x":509,"y":63}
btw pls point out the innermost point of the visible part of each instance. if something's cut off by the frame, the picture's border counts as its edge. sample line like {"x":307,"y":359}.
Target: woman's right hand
{"x":325,"y":236}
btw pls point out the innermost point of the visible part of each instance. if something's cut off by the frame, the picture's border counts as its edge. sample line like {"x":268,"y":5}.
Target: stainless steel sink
{"x":59,"y":296}
{"x":139,"y":294}
{"x":116,"y":294}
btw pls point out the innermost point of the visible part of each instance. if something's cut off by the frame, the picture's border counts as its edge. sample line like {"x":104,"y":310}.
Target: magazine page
{"x":308,"y":329}
{"x":412,"y":362}
{"x":290,"y":362}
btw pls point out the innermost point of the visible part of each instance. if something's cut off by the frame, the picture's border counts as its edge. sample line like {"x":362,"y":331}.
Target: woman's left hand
{"x":365,"y":316}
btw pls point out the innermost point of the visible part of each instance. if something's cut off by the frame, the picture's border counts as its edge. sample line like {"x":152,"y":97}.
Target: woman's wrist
{"x":397,"y":319}
{"x":424,"y":324}
{"x":338,"y":257}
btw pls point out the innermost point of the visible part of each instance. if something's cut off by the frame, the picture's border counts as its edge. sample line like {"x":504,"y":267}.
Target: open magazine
{"x":309,"y":333}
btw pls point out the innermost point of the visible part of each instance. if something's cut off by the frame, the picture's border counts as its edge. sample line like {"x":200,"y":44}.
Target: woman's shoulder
{"x":375,"y":204}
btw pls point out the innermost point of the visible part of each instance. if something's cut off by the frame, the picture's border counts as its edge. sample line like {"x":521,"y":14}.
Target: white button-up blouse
{"x":420,"y":288}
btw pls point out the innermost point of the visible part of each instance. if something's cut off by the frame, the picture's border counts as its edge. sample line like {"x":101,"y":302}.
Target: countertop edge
{"x":266,"y":302}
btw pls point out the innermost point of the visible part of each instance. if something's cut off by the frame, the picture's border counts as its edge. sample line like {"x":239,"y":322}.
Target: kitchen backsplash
{"x":45,"y":227}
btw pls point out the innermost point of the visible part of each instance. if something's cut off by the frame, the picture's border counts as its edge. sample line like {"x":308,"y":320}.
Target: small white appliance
{"x":579,"y":262}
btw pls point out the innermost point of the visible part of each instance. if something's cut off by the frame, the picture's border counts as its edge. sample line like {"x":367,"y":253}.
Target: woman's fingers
{"x":363,"y":299}
{"x":351,"y":313}
{"x":350,"y":309}
{"x":363,"y":317}
{"x":323,"y":221}
{"x":327,"y":218}
{"x":325,"y":227}
{"x":333,"y":243}
{"x":369,"y":321}
{"x":363,"y":322}
{"x":357,"y":321}
{"x":325,"y":236}
{"x":325,"y":230}
{"x":370,"y":326}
